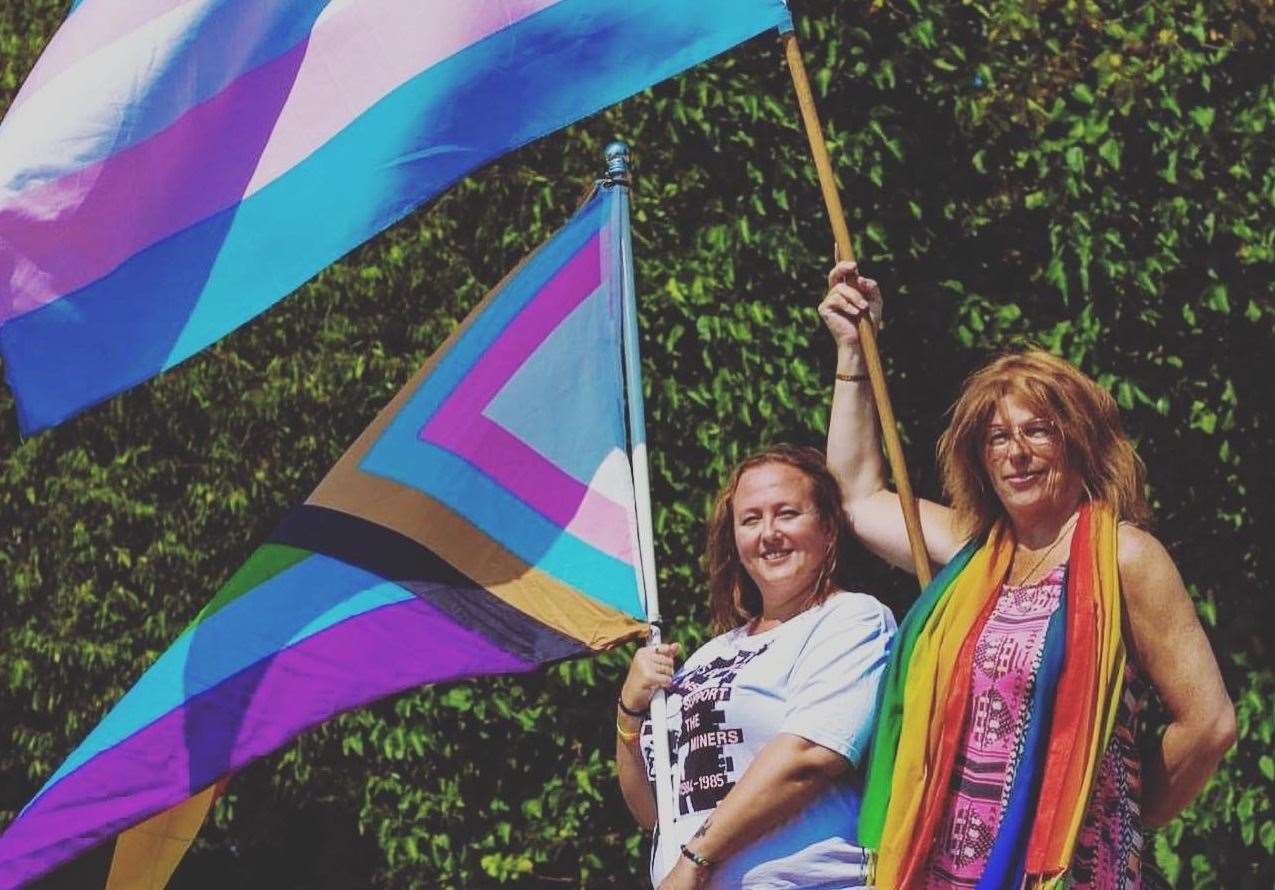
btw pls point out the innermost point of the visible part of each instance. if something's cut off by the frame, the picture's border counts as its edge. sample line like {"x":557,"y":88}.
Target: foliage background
{"x":1094,"y":176}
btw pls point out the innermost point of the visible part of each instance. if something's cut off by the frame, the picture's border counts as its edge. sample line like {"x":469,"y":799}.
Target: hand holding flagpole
{"x":617,"y":156}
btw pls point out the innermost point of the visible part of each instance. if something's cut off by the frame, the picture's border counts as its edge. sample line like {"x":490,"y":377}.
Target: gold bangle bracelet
{"x":626,"y":735}
{"x":852,"y":378}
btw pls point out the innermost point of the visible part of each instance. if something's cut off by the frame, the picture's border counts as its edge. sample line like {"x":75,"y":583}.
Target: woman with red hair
{"x":769,"y":720}
{"x":1007,"y":751}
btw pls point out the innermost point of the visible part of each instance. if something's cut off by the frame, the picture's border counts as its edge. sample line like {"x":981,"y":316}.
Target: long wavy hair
{"x":733,"y":596}
{"x":1088,"y":422}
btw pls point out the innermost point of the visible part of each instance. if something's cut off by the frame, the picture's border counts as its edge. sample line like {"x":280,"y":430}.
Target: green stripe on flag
{"x":266,"y":561}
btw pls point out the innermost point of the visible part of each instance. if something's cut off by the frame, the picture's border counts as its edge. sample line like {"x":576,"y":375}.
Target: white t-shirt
{"x":815,"y":676}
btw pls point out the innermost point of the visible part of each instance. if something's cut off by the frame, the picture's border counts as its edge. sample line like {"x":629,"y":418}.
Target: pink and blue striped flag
{"x":172,"y":168}
{"x":486,"y":522}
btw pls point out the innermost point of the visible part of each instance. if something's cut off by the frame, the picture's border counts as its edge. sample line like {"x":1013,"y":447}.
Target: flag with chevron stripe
{"x":484,"y":523}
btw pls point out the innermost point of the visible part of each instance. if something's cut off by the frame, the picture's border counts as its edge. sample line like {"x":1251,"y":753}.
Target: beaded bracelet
{"x":627,"y":710}
{"x":700,"y":861}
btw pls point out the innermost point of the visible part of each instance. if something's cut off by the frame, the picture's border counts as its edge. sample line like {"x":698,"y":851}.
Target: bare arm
{"x":650,"y":670}
{"x":781,"y":781}
{"x":854,"y":445}
{"x":1173,"y":650}
{"x":631,"y":766}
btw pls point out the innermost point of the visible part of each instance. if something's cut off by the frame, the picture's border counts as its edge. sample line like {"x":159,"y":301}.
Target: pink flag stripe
{"x":234,"y":144}
{"x":576,"y":280}
{"x":92,"y":27}
{"x":460,"y":427}
{"x":58,"y":233}
{"x":606,"y":525}
{"x":539,"y":482}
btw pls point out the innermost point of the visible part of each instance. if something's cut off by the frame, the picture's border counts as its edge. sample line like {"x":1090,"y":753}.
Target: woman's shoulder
{"x":711,"y":647}
{"x":1148,"y":575}
{"x":1139,"y":551}
{"x":723,"y":645}
{"x":846,"y":607}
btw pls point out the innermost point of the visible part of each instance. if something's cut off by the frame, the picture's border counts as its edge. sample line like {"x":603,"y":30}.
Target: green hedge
{"x":1096,"y":177}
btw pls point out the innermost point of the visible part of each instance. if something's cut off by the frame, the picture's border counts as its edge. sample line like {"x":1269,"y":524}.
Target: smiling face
{"x":781,"y":539}
{"x":1026,"y":461}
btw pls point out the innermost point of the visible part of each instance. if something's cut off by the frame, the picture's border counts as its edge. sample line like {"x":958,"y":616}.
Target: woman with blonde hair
{"x":1007,"y":752}
{"x":769,"y":720}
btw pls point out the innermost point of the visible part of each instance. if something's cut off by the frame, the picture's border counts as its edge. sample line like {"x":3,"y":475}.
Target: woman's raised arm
{"x":854,"y":445}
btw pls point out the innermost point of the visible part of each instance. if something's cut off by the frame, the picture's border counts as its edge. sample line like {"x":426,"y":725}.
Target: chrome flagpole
{"x":617,"y":176}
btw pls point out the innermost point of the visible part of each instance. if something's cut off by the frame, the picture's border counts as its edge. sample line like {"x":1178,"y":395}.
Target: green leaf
{"x":1215,"y":298}
{"x":1109,"y":151}
{"x":1203,"y":117}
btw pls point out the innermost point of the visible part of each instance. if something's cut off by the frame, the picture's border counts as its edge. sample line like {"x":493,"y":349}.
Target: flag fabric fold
{"x":172,"y":168}
{"x":484,"y":523}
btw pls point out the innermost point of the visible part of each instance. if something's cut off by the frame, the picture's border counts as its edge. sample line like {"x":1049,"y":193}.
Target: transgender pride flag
{"x":172,"y":168}
{"x":489,"y":521}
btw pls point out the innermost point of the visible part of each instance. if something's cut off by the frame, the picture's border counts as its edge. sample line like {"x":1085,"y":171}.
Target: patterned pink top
{"x":1109,"y":849}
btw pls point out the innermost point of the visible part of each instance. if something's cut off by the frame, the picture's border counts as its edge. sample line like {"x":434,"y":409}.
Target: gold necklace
{"x":1050,"y":549}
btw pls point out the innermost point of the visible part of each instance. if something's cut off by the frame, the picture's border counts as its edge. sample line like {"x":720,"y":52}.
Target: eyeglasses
{"x":1037,"y":433}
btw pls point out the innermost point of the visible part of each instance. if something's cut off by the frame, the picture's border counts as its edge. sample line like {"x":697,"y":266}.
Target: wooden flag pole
{"x":867,"y":332}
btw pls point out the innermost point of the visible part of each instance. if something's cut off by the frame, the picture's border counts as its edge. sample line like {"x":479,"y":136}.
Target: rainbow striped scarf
{"x":925,"y":697}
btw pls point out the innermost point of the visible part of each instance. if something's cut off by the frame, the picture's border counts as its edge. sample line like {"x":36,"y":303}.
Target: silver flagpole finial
{"x":617,"y":157}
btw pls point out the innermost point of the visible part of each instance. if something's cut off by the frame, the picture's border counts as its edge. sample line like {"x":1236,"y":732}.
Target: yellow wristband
{"x":626,"y":735}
